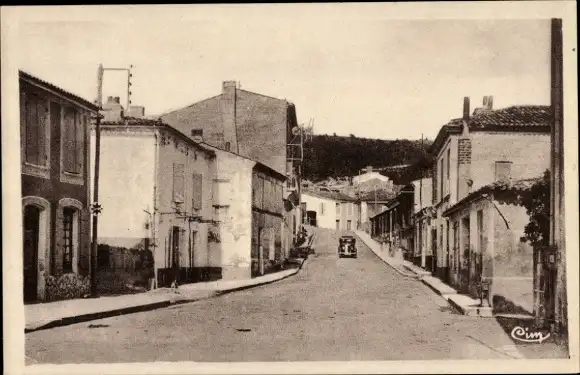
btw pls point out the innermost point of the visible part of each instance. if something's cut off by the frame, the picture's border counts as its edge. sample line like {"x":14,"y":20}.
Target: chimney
{"x":466,"y":115}
{"x":228,"y":106}
{"x":113,"y":110}
{"x":487,"y":105}
{"x":136,"y":111}
{"x":464,"y":181}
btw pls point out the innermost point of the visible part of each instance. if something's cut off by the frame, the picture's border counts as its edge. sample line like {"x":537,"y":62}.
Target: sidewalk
{"x":465,"y":304}
{"x":61,"y":313}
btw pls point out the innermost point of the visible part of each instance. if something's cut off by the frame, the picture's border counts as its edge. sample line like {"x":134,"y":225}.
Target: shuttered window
{"x":503,"y":171}
{"x":35,"y":127}
{"x":178,"y":182}
{"x":197,"y":191}
{"x":73,"y":140}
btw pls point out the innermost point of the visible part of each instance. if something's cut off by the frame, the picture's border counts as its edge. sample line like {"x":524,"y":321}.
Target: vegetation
{"x":336,"y":156}
{"x":536,"y":200}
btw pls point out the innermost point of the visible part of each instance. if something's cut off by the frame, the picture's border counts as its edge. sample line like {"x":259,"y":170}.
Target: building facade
{"x":486,"y":147}
{"x":422,"y":209}
{"x":394,"y":227}
{"x":331,"y":210}
{"x":160,"y":183}
{"x":55,"y":163}
{"x":252,"y":125}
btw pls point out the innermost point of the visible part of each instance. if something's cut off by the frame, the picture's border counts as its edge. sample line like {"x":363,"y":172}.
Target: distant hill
{"x":336,"y":156}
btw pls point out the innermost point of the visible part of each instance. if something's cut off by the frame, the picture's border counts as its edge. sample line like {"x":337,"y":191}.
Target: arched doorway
{"x":36,"y":245}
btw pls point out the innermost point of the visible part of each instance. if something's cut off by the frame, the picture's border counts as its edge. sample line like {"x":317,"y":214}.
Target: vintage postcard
{"x":290,"y":188}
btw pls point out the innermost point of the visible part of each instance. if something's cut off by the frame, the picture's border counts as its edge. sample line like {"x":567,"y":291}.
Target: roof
{"x":258,"y":165}
{"x":528,"y":118}
{"x":219,"y":95}
{"x":333,"y":195}
{"x":493,"y":188}
{"x":381,"y":195}
{"x":148,"y":122}
{"x":68,"y":95}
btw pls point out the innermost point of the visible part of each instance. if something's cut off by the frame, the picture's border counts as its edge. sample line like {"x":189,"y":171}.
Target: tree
{"x":536,"y":200}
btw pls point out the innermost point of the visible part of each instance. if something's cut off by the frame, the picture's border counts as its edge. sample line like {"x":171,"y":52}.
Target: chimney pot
{"x":117,"y":100}
{"x":489,"y":102}
{"x":109,"y":99}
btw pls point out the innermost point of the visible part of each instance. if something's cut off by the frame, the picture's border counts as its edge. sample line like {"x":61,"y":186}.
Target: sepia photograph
{"x":290,"y":188}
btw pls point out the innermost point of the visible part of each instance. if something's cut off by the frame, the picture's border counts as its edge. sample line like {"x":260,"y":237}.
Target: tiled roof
{"x":520,"y":116}
{"x":514,"y":118}
{"x":333,"y":195}
{"x":67,"y":94}
{"x":381,"y":195}
{"x":494,"y":187}
{"x":137,"y":121}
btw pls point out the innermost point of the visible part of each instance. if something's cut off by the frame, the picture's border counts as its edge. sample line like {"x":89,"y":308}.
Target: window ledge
{"x":42,"y":171}
{"x":72,"y":178}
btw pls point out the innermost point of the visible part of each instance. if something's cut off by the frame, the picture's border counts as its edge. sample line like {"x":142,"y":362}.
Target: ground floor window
{"x":68,"y":219}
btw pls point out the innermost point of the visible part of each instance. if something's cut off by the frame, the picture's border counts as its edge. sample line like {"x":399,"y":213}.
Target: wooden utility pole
{"x":95,"y":207}
{"x":557,"y":236}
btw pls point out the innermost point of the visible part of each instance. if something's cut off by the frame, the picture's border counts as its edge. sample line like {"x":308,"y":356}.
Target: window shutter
{"x":197,"y":191}
{"x":68,"y":156}
{"x":23,"y":130}
{"x":178,"y":182}
{"x":31,"y":130}
{"x":81,"y":125}
{"x":503,"y":171}
{"x":42,"y":128}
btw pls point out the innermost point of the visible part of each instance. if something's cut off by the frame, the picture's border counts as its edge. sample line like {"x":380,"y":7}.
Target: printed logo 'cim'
{"x":524,"y":335}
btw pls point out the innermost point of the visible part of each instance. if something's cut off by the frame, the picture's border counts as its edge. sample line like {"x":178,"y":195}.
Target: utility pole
{"x":95,"y":207}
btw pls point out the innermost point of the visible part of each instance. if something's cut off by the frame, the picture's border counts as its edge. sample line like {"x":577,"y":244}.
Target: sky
{"x":353,"y":72}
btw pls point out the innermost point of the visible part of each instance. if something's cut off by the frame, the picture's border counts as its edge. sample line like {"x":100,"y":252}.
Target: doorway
{"x":175,"y":238}
{"x":31,"y":226}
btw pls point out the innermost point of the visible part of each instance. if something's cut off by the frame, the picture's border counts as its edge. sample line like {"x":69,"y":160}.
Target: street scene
{"x":388,"y":190}
{"x":333,"y":310}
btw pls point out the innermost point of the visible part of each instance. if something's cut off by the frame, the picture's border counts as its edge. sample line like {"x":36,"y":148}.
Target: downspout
{"x":154,"y":219}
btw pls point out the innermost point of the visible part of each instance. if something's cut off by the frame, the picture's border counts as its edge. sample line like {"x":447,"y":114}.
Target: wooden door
{"x":31,"y":226}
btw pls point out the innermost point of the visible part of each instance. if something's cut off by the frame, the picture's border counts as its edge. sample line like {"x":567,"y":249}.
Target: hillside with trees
{"x":337,"y":156}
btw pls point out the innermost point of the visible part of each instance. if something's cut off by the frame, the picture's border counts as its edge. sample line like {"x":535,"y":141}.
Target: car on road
{"x":347,"y":247}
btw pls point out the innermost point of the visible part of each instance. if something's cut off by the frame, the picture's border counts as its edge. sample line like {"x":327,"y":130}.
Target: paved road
{"x":334,"y":309}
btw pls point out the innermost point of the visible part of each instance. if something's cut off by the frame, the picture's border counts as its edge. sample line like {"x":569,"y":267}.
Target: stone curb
{"x":148,"y":306}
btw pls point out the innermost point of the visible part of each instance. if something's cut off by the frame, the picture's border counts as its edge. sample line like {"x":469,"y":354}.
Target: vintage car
{"x":347,"y":247}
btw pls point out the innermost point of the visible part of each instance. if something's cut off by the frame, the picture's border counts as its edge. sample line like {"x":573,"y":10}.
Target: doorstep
{"x":469,"y":306}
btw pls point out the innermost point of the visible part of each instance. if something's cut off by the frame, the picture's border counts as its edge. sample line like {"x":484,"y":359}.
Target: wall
{"x":326,"y":220}
{"x":512,"y":261}
{"x":232,"y":201}
{"x":194,"y":261}
{"x":267,"y":219}
{"x":262,"y":125}
{"x":126,"y":182}
{"x":529,"y":153}
{"x":349,"y":211}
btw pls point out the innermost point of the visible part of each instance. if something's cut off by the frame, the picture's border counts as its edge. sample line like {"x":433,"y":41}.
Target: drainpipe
{"x":154,"y":220}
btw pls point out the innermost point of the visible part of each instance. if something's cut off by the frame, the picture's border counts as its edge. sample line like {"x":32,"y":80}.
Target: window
{"x":73,"y":140}
{"x":322,"y":208}
{"x":68,"y":242}
{"x":503,"y":171}
{"x":197,"y":192}
{"x":441,"y":174}
{"x":348,"y":224}
{"x":35,"y":130}
{"x":228,"y":146}
{"x":338,"y":225}
{"x":349,"y":205}
{"x":338,"y":208}
{"x":447,"y":179}
{"x":178,"y":182}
